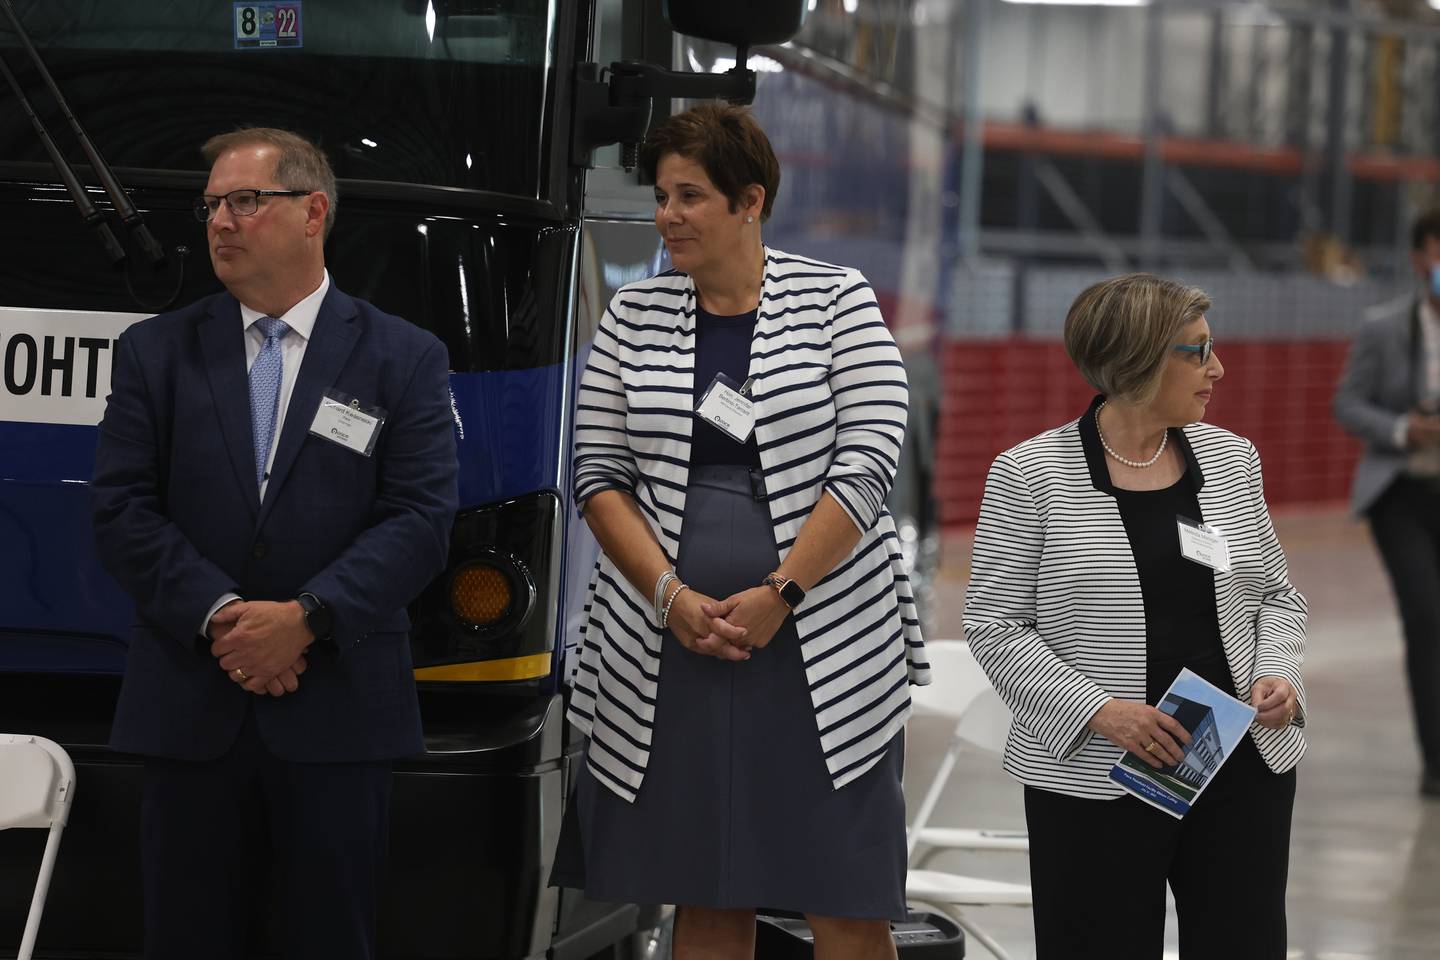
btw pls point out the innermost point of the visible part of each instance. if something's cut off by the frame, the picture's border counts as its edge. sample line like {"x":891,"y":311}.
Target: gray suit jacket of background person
{"x":1380,"y":383}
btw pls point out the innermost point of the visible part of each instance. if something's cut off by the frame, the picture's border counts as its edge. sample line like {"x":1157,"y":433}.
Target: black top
{"x":722,"y":345}
{"x":1182,"y":627}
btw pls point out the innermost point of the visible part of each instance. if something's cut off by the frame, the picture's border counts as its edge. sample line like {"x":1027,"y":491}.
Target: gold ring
{"x":240,"y":675}
{"x":1150,"y":747}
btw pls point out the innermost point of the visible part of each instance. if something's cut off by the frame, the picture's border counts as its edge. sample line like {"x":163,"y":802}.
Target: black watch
{"x":790,"y":591}
{"x":317,"y":616}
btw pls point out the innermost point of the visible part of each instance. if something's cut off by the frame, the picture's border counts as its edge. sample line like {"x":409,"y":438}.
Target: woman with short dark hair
{"x":1083,"y":608}
{"x":751,"y":634}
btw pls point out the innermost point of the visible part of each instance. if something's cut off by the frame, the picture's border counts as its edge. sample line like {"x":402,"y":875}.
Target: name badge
{"x":727,"y":407}
{"x":1204,"y":544}
{"x":342,"y":419}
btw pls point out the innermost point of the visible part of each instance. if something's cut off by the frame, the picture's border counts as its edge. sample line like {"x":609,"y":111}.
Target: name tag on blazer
{"x":1203,"y":544}
{"x":342,"y":419}
{"x":727,"y":407}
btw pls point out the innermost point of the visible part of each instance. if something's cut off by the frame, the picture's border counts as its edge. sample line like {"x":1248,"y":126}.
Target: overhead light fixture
{"x":757,"y":62}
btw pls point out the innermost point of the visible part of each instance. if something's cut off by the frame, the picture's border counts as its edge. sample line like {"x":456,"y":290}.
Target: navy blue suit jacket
{"x":179,"y":522}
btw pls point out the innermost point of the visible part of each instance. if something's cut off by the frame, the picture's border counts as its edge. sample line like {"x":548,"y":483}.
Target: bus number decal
{"x":287,"y":22}
{"x":268,"y":26}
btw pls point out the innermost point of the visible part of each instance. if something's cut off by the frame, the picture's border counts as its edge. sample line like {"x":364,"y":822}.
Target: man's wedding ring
{"x":240,"y":675}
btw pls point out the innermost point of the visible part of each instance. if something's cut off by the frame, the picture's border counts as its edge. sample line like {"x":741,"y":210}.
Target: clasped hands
{"x":1159,"y":739}
{"x":261,"y":644}
{"x":729,"y":628}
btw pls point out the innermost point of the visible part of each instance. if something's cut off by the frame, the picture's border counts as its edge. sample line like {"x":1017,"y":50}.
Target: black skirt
{"x":737,"y":808}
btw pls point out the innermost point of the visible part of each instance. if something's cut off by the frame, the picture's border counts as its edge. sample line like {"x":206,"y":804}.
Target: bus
{"x":482,"y":154}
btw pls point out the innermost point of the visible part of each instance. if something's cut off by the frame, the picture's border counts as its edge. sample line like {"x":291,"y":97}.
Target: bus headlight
{"x":494,"y":613}
{"x":481,"y":595}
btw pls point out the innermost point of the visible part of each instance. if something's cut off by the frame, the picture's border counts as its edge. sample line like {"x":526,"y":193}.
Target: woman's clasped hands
{"x":729,"y":628}
{"x":698,"y":622}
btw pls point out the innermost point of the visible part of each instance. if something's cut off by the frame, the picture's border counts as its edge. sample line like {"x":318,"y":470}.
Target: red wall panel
{"x":1276,"y":392}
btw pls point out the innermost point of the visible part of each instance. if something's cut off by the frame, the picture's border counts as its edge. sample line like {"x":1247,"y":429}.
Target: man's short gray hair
{"x":301,"y":165}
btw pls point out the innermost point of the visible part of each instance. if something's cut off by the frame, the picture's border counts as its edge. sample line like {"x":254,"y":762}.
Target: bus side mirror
{"x":613,"y":104}
{"x":739,"y":23}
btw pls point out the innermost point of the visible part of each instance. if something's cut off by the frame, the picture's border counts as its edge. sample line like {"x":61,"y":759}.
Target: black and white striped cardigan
{"x":830,"y":400}
{"x":1054,"y":612}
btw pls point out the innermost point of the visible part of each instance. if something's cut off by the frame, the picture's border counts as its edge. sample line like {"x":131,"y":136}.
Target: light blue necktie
{"x":265,"y":376}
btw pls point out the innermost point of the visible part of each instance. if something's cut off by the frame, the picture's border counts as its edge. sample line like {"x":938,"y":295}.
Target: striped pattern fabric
{"x":1055,"y":616}
{"x":830,"y":400}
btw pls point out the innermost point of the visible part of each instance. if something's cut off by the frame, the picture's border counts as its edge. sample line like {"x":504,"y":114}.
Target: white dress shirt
{"x":301,"y":321}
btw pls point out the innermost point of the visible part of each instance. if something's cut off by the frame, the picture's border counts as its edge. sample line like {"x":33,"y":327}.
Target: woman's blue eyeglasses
{"x":1202,"y":351}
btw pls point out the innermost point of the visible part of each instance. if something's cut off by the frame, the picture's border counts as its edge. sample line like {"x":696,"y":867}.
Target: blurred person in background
{"x":744,"y":669}
{"x":1082,"y":610}
{"x":1389,"y":397}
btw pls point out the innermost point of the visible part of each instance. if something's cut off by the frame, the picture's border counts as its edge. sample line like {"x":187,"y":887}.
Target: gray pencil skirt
{"x":737,"y":808}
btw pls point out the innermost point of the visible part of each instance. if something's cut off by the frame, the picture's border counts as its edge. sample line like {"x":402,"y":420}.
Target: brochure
{"x":1216,"y":722}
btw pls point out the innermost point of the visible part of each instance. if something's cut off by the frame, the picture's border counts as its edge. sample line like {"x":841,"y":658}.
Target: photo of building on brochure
{"x":1215,"y":720}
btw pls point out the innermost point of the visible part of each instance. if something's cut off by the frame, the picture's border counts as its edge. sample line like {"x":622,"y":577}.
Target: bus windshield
{"x":448,"y":93}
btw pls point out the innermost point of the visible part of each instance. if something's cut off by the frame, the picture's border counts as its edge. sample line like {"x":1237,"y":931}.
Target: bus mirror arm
{"x":617,"y":109}
{"x":124,"y":206}
{"x":93,"y":218}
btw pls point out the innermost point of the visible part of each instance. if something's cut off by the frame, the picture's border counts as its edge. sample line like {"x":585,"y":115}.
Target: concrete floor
{"x":1365,"y":853}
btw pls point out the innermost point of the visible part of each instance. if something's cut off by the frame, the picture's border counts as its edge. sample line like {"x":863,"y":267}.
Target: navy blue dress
{"x":737,"y":808}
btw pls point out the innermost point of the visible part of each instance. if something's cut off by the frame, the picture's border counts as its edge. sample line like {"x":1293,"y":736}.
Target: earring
{"x":749,"y":219}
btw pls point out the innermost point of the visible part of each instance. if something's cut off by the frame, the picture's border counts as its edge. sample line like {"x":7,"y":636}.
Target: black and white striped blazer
{"x":830,"y":400}
{"x":1054,"y":612}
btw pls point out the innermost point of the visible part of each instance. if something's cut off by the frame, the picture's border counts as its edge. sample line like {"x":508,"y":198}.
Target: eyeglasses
{"x":1202,"y":351}
{"x":242,"y":203}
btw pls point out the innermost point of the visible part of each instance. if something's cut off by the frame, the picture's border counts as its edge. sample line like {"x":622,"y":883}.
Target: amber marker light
{"x":480,"y":595}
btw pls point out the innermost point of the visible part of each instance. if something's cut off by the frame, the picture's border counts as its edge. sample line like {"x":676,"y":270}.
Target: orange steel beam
{"x":1196,"y":152}
{"x":1379,"y":166}
{"x":1120,"y":146}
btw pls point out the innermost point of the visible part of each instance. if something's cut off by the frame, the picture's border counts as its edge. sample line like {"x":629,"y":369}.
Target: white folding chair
{"x":960,"y":692}
{"x":37,"y":785}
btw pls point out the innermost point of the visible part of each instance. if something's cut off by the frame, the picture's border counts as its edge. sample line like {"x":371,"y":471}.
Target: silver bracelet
{"x":665,"y":614}
{"x":661,"y":586}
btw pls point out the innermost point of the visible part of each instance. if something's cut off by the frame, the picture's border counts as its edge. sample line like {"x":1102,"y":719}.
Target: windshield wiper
{"x":129,"y":215}
{"x":88,"y":212}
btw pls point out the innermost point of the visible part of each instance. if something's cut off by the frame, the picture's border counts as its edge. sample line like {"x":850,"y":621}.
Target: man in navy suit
{"x":275,"y":481}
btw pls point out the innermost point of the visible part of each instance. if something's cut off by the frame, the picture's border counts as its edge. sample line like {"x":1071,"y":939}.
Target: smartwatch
{"x":318,"y":619}
{"x":790,"y":591}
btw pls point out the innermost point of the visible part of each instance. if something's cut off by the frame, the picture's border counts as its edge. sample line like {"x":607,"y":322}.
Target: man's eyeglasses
{"x":1202,"y":351}
{"x":242,"y":203}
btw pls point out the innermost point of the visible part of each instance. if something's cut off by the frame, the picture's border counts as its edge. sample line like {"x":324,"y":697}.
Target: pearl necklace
{"x":1138,"y":464}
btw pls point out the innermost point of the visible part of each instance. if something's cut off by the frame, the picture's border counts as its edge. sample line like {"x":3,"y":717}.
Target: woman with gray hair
{"x":1082,"y":609}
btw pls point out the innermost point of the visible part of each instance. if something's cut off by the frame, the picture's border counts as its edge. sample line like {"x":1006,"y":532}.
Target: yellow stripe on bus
{"x":512,"y":668}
